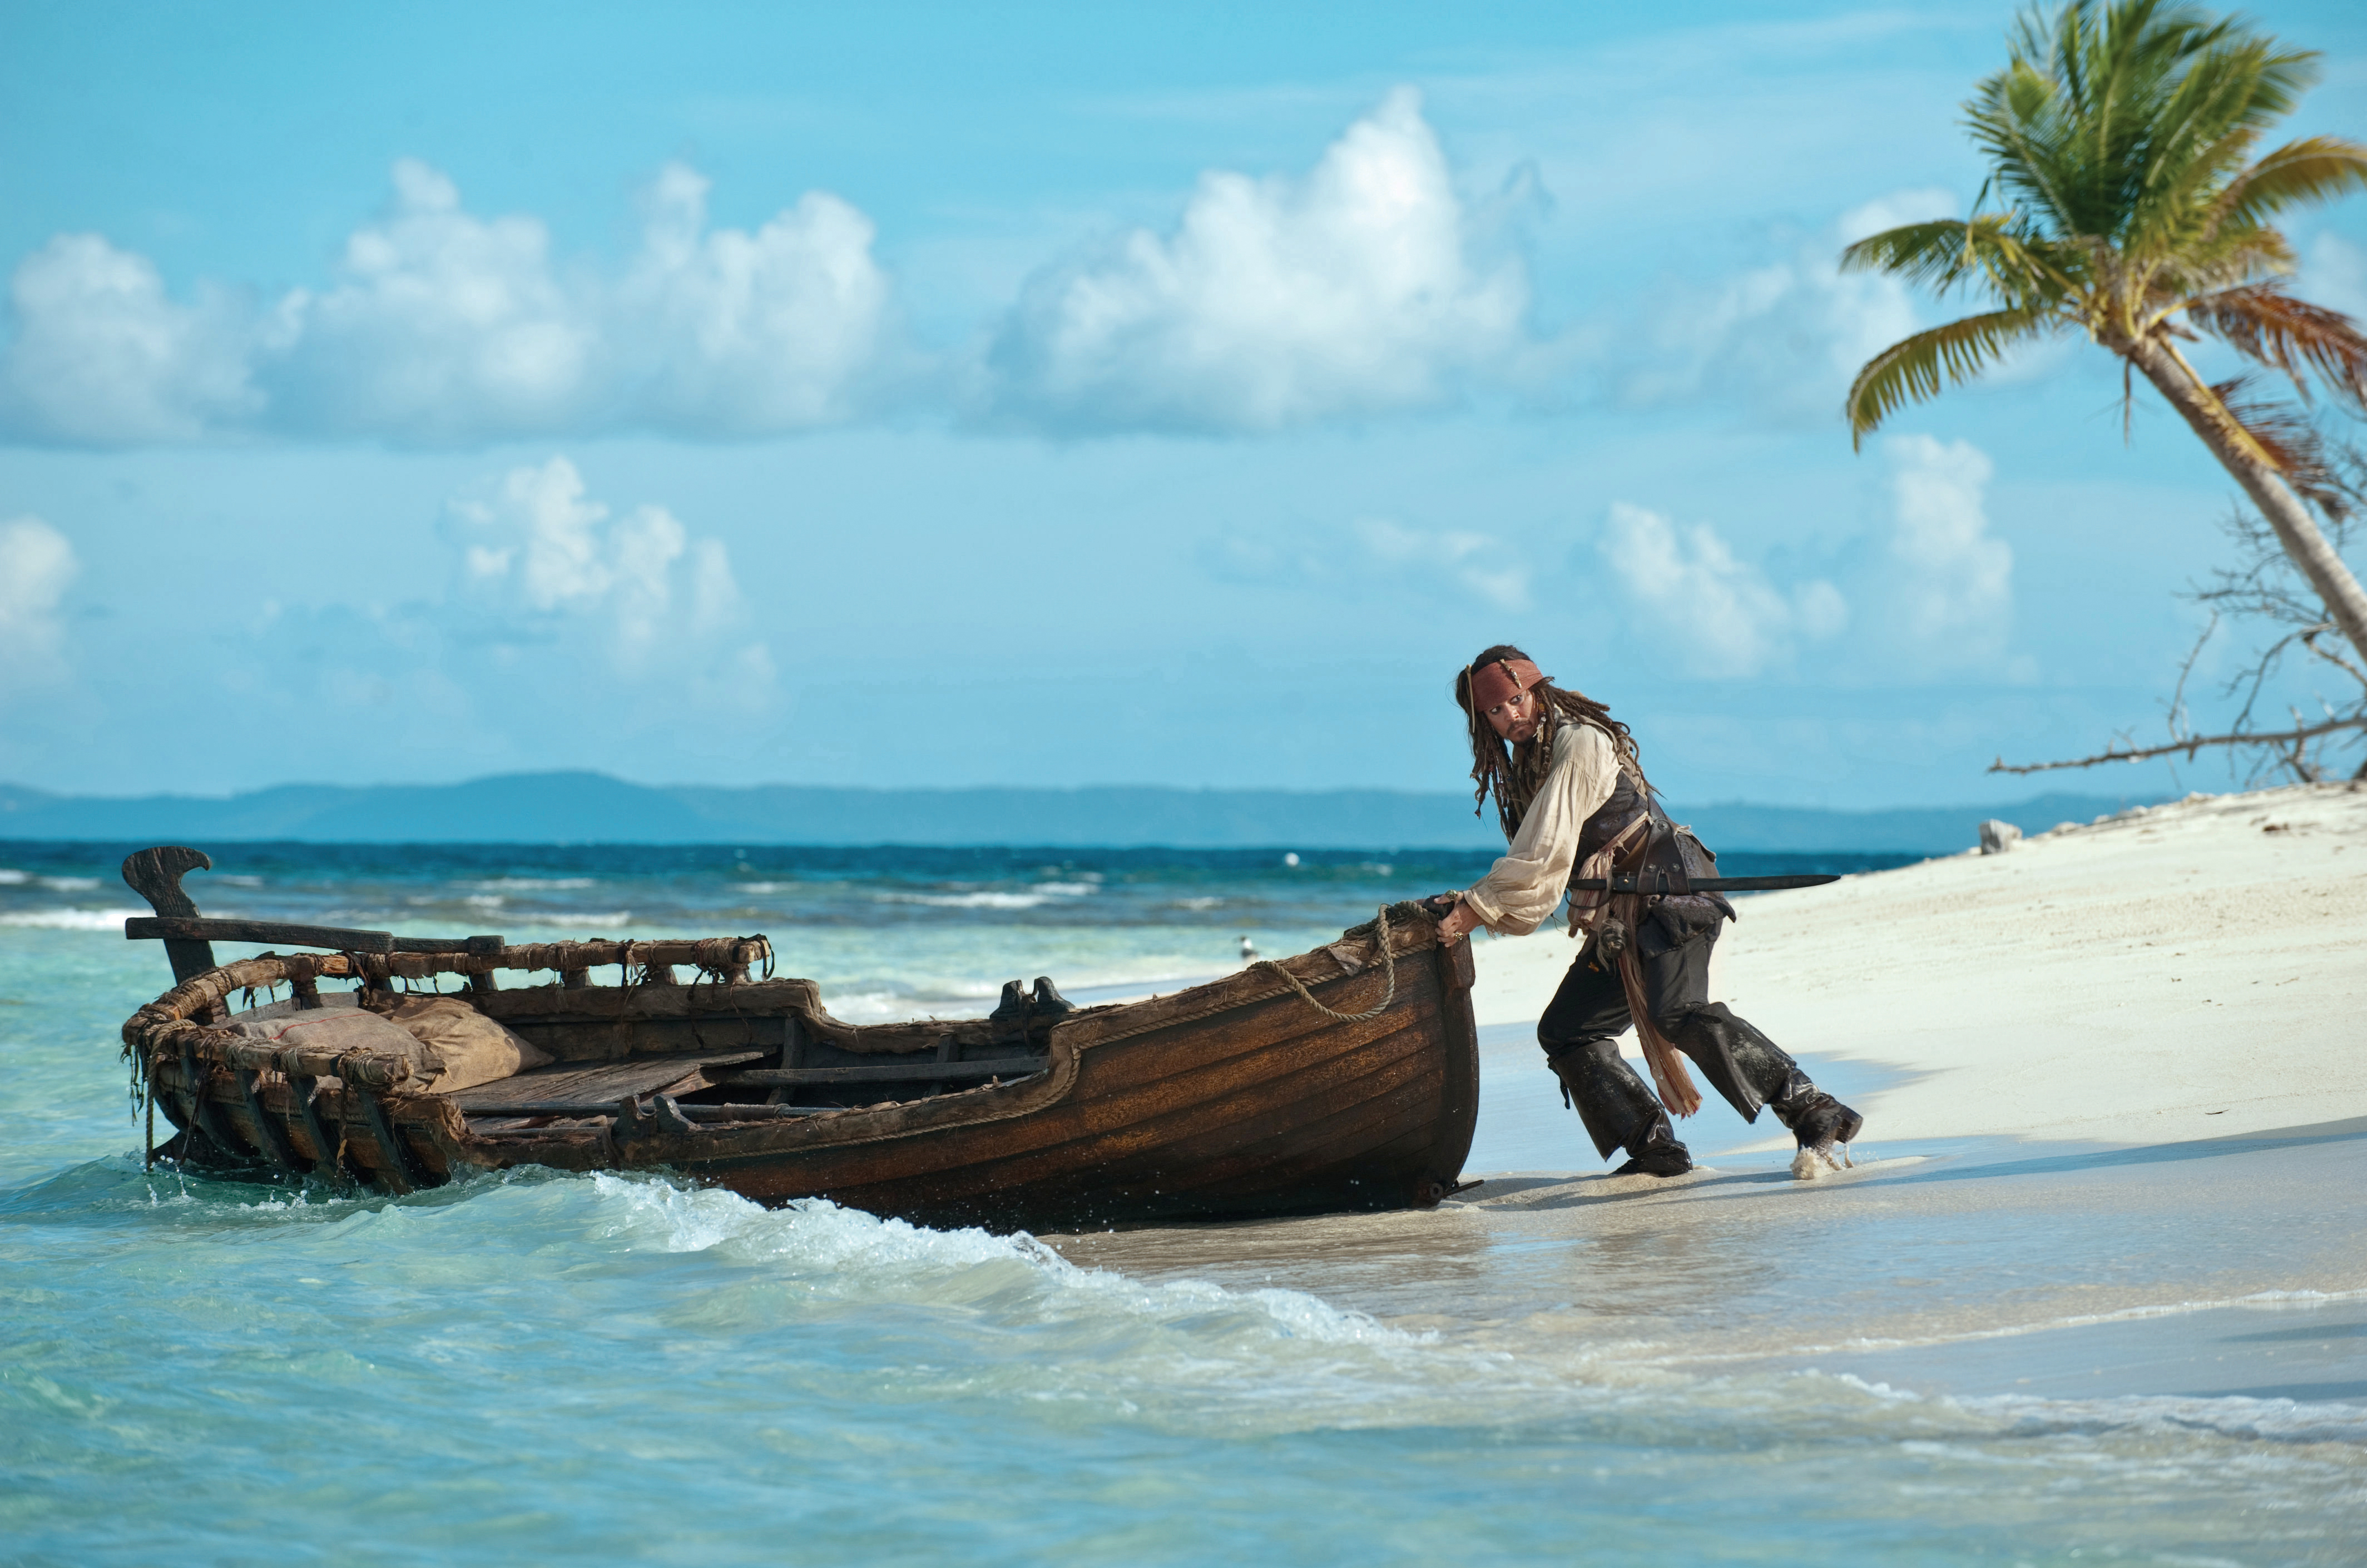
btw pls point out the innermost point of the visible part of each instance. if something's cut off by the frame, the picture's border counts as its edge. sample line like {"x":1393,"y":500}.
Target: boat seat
{"x":599,"y":1082}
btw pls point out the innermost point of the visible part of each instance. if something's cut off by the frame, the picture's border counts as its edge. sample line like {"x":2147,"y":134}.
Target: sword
{"x":1675,"y":882}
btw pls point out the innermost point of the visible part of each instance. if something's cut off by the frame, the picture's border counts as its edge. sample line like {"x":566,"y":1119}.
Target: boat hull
{"x":1268,"y":1108}
{"x":1241,"y":1097}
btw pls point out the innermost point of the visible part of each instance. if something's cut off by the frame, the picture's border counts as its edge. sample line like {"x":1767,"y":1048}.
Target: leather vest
{"x":1665,"y":846}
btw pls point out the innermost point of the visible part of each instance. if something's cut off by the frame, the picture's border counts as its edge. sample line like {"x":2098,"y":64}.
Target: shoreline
{"x":2193,"y":970}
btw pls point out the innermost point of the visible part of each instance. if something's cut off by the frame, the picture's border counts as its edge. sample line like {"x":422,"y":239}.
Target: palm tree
{"x":2120,"y":140}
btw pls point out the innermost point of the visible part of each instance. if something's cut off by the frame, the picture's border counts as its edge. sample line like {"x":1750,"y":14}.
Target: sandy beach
{"x":2193,"y":970}
{"x":2096,"y":1286}
{"x":2114,"y":1096}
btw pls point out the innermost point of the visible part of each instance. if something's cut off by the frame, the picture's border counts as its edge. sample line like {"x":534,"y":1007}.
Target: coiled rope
{"x":1387,"y":996}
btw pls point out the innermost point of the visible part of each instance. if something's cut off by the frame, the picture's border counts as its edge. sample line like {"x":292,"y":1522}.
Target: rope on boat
{"x":1388,"y":996}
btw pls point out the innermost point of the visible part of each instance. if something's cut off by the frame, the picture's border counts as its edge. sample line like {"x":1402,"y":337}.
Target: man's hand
{"x":1457,"y":923}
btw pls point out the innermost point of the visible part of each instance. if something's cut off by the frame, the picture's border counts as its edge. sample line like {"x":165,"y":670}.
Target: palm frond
{"x":2126,"y":121}
{"x":2264,"y":323}
{"x":1933,"y":253}
{"x":2316,"y":168}
{"x":2291,"y":442}
{"x":1948,"y":253}
{"x":1917,"y":368}
{"x":2229,"y":257}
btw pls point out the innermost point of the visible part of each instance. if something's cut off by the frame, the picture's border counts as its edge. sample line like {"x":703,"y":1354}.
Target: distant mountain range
{"x":583,"y":807}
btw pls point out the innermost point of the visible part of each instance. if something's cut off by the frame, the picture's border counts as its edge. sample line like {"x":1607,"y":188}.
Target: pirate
{"x":1574,"y":804}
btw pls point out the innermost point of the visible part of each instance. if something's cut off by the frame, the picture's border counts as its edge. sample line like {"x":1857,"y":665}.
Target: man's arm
{"x":1521,"y":890}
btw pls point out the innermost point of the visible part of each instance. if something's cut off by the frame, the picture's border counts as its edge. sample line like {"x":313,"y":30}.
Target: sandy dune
{"x":2188,"y":970}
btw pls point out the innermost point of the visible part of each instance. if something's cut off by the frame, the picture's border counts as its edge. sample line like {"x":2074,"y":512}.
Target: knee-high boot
{"x":1619,"y":1110}
{"x":1751,"y":1070}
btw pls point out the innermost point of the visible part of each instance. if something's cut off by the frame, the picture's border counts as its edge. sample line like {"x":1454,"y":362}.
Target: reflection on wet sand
{"x":1743,"y":1265}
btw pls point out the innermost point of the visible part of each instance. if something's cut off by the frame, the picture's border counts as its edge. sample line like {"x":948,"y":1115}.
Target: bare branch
{"x":2188,"y":747}
{"x":2177,"y":694}
{"x":2309,"y":640}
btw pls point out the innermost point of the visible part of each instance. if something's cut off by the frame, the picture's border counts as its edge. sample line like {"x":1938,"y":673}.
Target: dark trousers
{"x":1581,"y":1026}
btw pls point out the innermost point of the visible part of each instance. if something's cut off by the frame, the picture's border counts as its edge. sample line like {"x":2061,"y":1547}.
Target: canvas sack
{"x":470,"y":1048}
{"x":342,"y":1029}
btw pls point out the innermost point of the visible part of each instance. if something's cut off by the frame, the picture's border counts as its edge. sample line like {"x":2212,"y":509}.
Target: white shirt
{"x":1520,"y":891}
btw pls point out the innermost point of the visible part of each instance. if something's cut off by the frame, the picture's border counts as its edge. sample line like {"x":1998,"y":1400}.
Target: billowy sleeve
{"x":1520,"y":891}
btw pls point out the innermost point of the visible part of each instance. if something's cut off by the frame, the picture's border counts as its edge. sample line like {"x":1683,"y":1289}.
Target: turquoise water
{"x":539,"y":1368}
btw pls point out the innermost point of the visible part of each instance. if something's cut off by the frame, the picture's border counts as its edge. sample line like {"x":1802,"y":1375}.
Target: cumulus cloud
{"x":1950,"y":584}
{"x":1786,"y":338}
{"x":548,"y":563}
{"x":1273,"y":302}
{"x":1932,"y":588}
{"x":37,"y":567}
{"x":1717,"y":613}
{"x":747,"y":333}
{"x":102,"y":354}
{"x":440,"y":325}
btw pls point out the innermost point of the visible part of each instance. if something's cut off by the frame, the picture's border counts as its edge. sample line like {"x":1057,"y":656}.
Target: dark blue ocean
{"x":889,"y":932}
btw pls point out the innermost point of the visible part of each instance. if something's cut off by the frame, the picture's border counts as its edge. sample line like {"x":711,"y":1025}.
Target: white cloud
{"x":746,"y":333}
{"x":102,"y":354}
{"x":37,"y":567}
{"x":1717,"y":613}
{"x":1949,"y":584}
{"x":1476,"y":564}
{"x":443,"y":326}
{"x":1935,"y":587}
{"x":1786,"y":338}
{"x":1275,"y":303}
{"x":548,"y":563}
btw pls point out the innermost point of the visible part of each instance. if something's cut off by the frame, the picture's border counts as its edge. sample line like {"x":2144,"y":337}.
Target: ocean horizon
{"x":597,"y":808}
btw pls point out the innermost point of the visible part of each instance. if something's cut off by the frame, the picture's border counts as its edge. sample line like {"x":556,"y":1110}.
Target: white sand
{"x":2190,"y":971}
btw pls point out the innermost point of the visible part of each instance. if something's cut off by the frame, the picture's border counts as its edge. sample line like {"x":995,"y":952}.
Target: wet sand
{"x":2115,"y":1084}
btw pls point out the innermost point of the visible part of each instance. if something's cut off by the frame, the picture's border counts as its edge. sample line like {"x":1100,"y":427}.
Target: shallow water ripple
{"x":540,"y":1367}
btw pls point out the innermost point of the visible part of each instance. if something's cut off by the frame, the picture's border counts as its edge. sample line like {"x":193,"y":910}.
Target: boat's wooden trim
{"x":1231,"y":1097}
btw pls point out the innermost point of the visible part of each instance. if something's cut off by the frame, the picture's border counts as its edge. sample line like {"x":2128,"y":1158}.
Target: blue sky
{"x":919,"y":394}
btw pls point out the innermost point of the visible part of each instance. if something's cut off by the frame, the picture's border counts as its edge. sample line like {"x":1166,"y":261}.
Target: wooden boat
{"x":1343,"y":1079}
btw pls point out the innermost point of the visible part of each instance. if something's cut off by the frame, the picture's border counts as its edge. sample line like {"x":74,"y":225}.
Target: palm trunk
{"x":2345,"y":601}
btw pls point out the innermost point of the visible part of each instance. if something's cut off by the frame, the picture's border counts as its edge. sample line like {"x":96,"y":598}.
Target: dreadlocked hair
{"x":1515,"y":774}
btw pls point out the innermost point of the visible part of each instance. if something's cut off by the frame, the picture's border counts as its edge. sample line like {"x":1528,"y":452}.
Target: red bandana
{"x":1496,"y":682}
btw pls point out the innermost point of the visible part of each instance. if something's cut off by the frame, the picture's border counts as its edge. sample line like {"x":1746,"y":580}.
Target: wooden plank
{"x":917,"y":1072}
{"x":1231,"y":1101}
{"x":1254,"y":1122}
{"x":340,"y":938}
{"x":1460,"y":1109}
{"x":156,"y":875}
{"x":201,"y":1112}
{"x":271,"y":1137}
{"x":1150,"y":1168}
{"x":300,"y":1089}
{"x":602,"y":1082}
{"x":565,"y":1004}
{"x":690,"y":1112}
{"x":395,"y":1168}
{"x":484,"y":945}
{"x":611,"y":1039}
{"x":1267,"y":1088}
{"x":1177,"y":1070}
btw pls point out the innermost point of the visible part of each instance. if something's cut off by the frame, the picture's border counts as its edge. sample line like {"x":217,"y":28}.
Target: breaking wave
{"x":71,"y":919}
